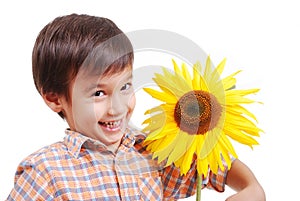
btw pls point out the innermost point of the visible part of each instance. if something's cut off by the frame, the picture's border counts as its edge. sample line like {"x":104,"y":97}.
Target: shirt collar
{"x":76,"y":141}
{"x":129,"y":138}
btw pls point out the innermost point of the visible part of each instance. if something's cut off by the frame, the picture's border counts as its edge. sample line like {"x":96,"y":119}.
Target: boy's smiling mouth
{"x":111,"y":125}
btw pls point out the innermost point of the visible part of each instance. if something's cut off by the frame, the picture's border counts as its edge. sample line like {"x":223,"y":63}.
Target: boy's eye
{"x":126,"y":86}
{"x":99,"y":93}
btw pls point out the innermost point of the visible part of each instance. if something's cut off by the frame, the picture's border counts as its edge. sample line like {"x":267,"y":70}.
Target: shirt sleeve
{"x":30,"y":185}
{"x":177,"y":186}
{"x":218,"y":181}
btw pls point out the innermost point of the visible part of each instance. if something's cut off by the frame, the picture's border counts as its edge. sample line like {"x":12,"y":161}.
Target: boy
{"x":82,"y":67}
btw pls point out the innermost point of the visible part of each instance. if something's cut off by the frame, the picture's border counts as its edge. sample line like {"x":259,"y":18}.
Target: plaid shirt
{"x":80,"y":168}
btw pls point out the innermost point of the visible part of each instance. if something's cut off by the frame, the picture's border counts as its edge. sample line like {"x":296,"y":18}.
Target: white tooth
{"x":112,"y":124}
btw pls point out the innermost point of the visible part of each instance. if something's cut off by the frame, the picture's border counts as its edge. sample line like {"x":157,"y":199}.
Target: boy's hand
{"x":248,"y":194}
{"x":241,"y":179}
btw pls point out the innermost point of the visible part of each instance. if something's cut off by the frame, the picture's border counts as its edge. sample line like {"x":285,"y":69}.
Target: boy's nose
{"x":115,"y":106}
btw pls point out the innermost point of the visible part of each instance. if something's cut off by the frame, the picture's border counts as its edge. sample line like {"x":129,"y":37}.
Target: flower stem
{"x":199,"y":187}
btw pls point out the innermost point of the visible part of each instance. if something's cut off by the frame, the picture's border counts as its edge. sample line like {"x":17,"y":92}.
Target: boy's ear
{"x":53,"y":101}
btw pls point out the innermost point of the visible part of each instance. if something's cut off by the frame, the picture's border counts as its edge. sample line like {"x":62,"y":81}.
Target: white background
{"x":262,"y":38}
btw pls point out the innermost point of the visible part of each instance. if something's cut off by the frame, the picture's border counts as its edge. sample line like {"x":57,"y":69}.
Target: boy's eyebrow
{"x":102,"y":85}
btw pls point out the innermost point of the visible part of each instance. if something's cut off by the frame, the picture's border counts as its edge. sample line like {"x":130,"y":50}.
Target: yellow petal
{"x":162,"y":96}
{"x":232,"y":100}
{"x":240,"y":137}
{"x":202,"y":166}
{"x":215,"y":78}
{"x":210,"y":140}
{"x":217,"y":156}
{"x":176,"y":68}
{"x":220,"y":67}
{"x":203,"y":84}
{"x":242,"y":92}
{"x":181,"y":145}
{"x":227,"y":146}
{"x":230,"y":81}
{"x":186,"y":160}
{"x":157,"y":109}
{"x":162,"y":143}
{"x":165,"y":151}
{"x":169,"y":86}
{"x":239,"y":110}
{"x":157,"y":117}
{"x":177,"y":80}
{"x":186,"y":75}
{"x":196,"y":75}
{"x":213,"y":162}
{"x":242,"y":123}
{"x":208,"y":69}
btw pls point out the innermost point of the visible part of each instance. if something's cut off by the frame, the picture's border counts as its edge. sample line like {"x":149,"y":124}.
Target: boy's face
{"x":101,"y":107}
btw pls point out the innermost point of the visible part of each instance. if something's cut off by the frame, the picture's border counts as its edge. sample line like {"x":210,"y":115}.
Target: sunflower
{"x":199,"y":111}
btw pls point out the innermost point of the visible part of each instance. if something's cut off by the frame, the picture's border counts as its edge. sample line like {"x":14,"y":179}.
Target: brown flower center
{"x":197,"y":112}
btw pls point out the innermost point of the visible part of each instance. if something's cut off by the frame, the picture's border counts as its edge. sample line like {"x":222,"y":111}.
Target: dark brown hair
{"x":74,"y":41}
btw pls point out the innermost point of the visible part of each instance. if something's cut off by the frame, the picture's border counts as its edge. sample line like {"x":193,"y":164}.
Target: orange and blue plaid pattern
{"x":80,"y":168}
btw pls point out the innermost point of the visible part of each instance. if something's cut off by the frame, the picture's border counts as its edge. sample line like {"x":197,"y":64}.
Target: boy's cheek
{"x":87,"y":111}
{"x":132,"y":102}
